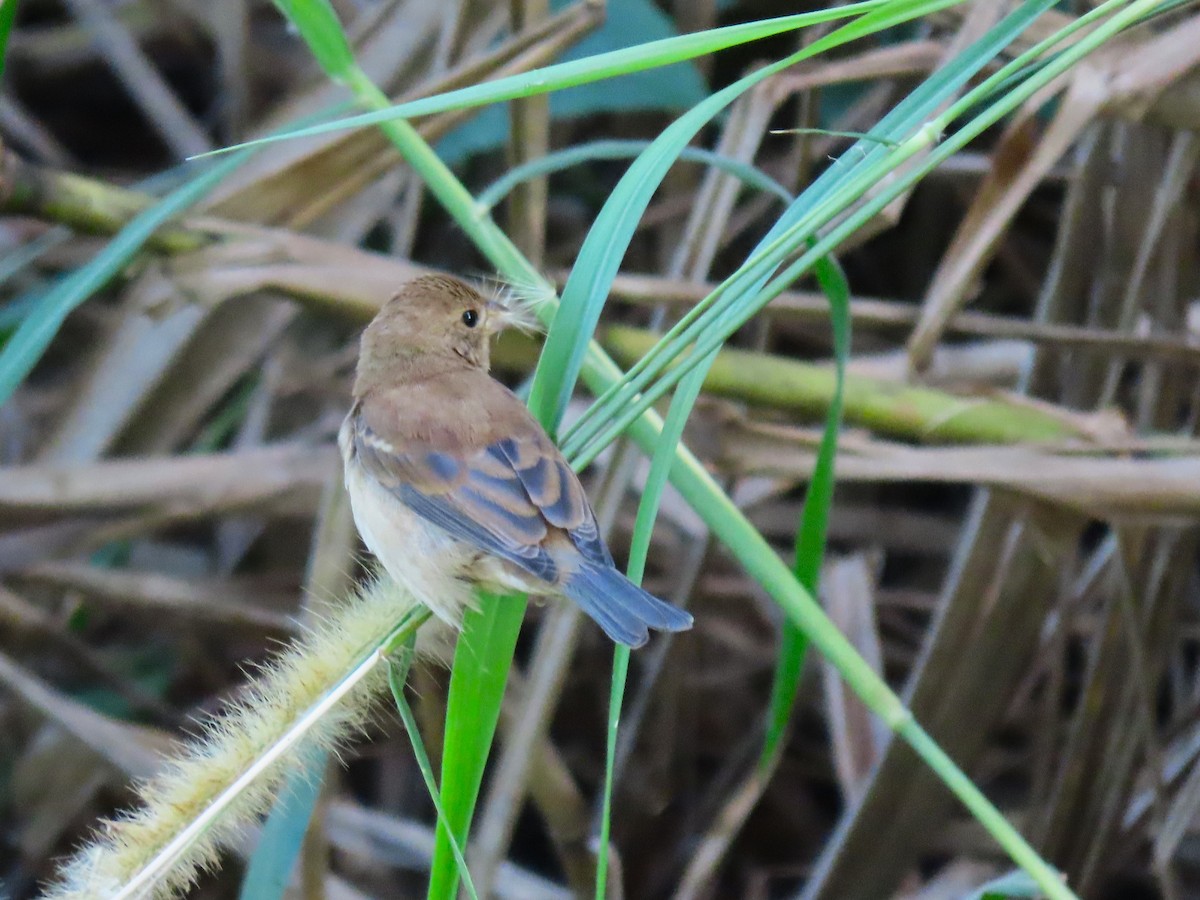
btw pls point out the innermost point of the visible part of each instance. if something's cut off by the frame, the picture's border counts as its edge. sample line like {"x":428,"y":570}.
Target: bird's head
{"x":435,"y":323}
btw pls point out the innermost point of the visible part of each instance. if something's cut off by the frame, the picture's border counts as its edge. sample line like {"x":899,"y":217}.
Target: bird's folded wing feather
{"x":509,"y":497}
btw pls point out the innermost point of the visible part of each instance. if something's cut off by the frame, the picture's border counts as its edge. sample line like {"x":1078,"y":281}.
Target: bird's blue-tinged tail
{"x":620,"y":607}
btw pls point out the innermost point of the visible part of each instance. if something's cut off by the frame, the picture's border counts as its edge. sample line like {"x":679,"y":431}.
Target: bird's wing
{"x":505,"y":497}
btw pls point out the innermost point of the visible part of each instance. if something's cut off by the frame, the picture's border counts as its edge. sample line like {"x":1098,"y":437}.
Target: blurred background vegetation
{"x":1012,"y":540}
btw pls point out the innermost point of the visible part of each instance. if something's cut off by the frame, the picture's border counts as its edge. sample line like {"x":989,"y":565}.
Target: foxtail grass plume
{"x":315,"y":694}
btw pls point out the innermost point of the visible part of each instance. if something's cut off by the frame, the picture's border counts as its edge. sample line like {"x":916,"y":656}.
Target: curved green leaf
{"x":38,"y":327}
{"x":812,"y":535}
{"x":282,"y":837}
{"x":604,"y":247}
{"x":321,"y":30}
{"x":481,"y":661}
{"x":753,"y":177}
{"x":584,"y":71}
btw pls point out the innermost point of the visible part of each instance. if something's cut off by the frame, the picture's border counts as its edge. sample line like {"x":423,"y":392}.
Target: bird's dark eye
{"x":470,"y":318}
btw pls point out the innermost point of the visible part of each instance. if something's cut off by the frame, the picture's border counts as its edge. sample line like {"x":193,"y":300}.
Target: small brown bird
{"x":454,"y":485}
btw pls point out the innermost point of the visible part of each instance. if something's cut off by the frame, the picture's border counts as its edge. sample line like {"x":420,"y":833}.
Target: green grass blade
{"x":321,"y":30}
{"x":814,"y":520}
{"x":604,"y":247}
{"x":581,"y":71}
{"x":762,"y":564}
{"x":864,"y":162}
{"x":481,"y":662}
{"x":625,"y":208}
{"x":643,"y":529}
{"x":753,"y":177}
{"x":37,"y":328}
{"x":616,"y":696}
{"x":565,"y":347}
{"x":282,"y":839}
{"x":39,"y":322}
{"x":901,"y":121}
{"x":24,"y":256}
{"x":709,"y":323}
{"x":607,"y":240}
{"x":397,"y":675}
{"x":8,"y":14}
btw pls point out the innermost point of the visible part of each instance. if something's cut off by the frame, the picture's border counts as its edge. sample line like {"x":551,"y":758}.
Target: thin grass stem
{"x":397,"y":676}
